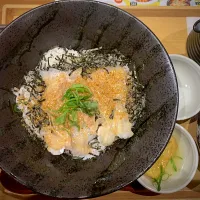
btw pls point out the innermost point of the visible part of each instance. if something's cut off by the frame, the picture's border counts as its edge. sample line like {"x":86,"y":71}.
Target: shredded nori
{"x":89,"y":61}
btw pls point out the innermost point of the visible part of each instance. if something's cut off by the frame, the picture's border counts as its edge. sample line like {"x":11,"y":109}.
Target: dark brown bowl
{"x":84,"y":25}
{"x":192,"y":50}
{"x":193,"y":43}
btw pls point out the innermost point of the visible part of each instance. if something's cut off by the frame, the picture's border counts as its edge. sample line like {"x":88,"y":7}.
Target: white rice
{"x":49,"y":63}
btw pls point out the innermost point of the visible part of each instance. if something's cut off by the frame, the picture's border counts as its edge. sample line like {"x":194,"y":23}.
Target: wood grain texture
{"x":169,"y":25}
{"x":171,"y":31}
{"x":3,"y":2}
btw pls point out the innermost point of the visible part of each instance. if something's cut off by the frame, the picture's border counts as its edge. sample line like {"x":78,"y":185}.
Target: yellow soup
{"x":165,"y":157}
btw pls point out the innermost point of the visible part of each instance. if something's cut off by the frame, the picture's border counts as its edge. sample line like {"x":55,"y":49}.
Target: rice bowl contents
{"x":80,"y":102}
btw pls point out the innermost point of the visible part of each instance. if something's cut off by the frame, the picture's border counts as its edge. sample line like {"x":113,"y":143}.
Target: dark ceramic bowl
{"x":84,"y":25}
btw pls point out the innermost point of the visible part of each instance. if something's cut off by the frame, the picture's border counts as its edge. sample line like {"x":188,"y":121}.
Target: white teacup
{"x":188,"y":77}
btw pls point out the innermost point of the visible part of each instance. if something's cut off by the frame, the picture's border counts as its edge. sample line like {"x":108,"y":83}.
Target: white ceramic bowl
{"x":182,"y":178}
{"x":188,"y":76}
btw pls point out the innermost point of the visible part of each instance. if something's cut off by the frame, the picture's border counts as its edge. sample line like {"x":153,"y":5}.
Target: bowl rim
{"x":196,"y":67}
{"x":186,"y":134}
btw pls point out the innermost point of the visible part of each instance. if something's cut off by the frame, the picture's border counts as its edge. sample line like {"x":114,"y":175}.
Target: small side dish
{"x":176,"y":167}
{"x":188,"y":77}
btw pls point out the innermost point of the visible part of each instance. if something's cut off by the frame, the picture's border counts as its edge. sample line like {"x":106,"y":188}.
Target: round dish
{"x":190,"y":163}
{"x":84,"y":25}
{"x":188,"y":76}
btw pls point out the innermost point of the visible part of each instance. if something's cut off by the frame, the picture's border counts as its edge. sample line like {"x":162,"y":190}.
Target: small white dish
{"x":182,"y":178}
{"x":188,"y":77}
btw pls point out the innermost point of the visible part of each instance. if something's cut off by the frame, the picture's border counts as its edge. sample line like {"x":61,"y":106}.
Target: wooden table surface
{"x":169,"y":24}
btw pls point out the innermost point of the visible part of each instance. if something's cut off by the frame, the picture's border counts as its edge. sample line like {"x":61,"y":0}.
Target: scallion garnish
{"x":16,"y":109}
{"x":178,"y":157}
{"x":77,"y":98}
{"x":173,"y":164}
{"x":157,"y":181}
{"x":160,"y":178}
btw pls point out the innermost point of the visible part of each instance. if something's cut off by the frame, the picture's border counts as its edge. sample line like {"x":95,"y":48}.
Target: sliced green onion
{"x":178,"y":157}
{"x":16,"y":109}
{"x":157,"y":181}
{"x":76,"y":98}
{"x":173,"y":164}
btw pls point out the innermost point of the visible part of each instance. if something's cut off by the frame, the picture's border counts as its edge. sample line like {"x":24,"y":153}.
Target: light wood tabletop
{"x":169,"y":25}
